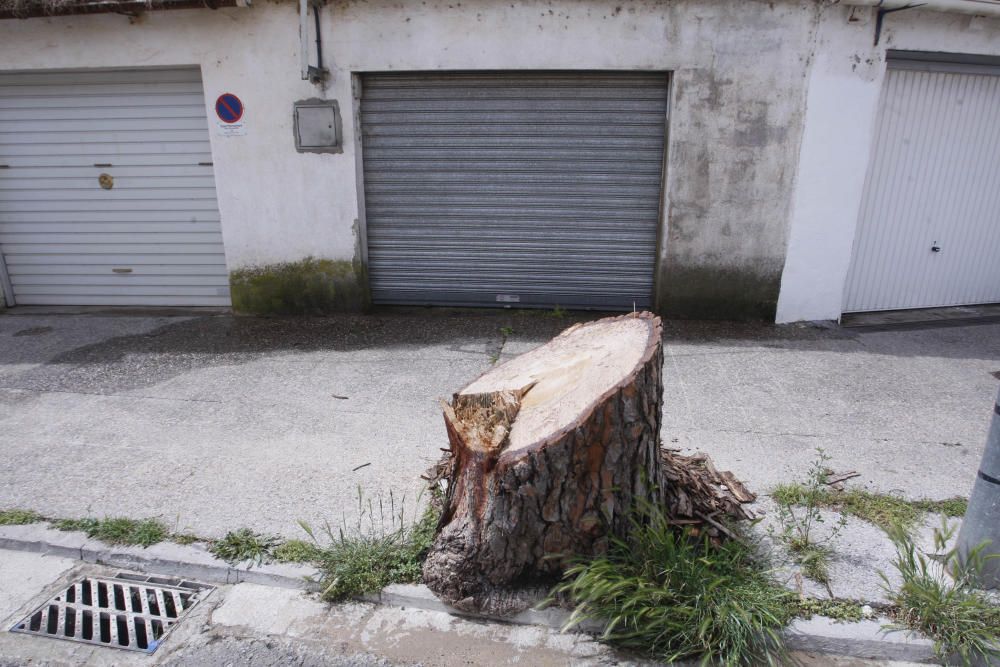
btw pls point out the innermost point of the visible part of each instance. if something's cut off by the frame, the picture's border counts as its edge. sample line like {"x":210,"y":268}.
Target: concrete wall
{"x":844,"y":87}
{"x":739,"y":72}
{"x":772,"y":107}
{"x":737,"y":98}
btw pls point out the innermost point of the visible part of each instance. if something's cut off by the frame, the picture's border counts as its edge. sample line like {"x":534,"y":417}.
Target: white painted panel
{"x":130,"y":217}
{"x":14,"y":261}
{"x":154,"y":238}
{"x":933,"y":182}
{"x":85,"y":271}
{"x":125,"y":279}
{"x":136,"y":153}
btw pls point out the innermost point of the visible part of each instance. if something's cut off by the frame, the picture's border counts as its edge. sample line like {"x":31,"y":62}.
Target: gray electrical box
{"x":317,"y":126}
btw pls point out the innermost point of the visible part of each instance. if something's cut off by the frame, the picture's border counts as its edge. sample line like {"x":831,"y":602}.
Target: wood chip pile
{"x":701,"y":496}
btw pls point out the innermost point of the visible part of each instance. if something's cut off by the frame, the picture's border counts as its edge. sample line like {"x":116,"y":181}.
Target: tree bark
{"x":549,"y":454}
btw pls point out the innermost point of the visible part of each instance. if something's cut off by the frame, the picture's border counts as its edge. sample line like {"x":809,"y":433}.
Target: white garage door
{"x":106,"y":189}
{"x":929,"y":227}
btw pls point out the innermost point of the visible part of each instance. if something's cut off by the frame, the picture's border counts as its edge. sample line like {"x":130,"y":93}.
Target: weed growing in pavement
{"x":883,"y":510}
{"x":118,"y":530}
{"x":800,"y":518}
{"x":959,"y":619}
{"x":16,"y":517}
{"x":245,"y":545}
{"x":297,"y":551}
{"x":672,"y":595}
{"x":850,"y":611}
{"x":382,"y":549}
{"x":558,"y":312}
{"x":82,"y":525}
{"x":185,"y":538}
{"x":505,"y":333}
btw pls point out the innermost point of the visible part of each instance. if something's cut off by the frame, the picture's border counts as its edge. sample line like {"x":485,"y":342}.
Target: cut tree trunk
{"x":549,"y":453}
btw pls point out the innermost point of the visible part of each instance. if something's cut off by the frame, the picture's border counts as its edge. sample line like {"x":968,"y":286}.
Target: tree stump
{"x":549,"y":453}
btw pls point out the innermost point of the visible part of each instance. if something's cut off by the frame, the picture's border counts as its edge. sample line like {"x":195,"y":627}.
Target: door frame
{"x":660,"y":249}
{"x":6,"y":288}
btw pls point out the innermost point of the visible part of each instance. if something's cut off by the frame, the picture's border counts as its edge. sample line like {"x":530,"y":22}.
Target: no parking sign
{"x":229,"y":111}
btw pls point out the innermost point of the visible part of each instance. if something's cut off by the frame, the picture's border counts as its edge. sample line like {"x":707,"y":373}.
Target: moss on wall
{"x":306,"y":287}
{"x":712,"y":293}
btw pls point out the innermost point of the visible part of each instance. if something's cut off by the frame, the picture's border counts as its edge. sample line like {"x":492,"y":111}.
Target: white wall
{"x":739,"y":72}
{"x":842,"y":101}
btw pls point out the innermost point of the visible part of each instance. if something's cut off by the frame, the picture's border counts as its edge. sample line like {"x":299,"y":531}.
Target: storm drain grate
{"x":128,"y":612}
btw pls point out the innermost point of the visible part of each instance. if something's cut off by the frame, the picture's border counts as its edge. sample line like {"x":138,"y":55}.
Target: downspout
{"x":304,"y":37}
{"x":978,"y":7}
{"x":990,"y":8}
{"x":317,"y":74}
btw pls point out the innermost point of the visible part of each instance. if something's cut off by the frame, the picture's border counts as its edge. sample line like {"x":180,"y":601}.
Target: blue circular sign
{"x":229,"y":108}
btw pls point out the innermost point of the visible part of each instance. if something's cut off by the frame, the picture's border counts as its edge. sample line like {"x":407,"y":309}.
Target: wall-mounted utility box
{"x":317,"y":126}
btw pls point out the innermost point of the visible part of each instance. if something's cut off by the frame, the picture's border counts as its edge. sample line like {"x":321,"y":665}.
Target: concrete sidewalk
{"x":212,"y":422}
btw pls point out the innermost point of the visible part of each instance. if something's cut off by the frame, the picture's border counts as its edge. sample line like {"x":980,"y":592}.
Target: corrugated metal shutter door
{"x":539,"y":189}
{"x":933,"y":182}
{"x":154,"y":238}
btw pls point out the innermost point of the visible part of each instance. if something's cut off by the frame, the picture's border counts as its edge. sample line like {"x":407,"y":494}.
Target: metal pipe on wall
{"x":304,"y":37}
{"x":977,"y":7}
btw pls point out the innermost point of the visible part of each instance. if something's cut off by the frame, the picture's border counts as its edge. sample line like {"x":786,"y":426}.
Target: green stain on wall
{"x":306,"y":287}
{"x":713,"y":293}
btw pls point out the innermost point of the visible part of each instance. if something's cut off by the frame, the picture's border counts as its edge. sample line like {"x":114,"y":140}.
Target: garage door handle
{"x":122,"y":270}
{"x":935,"y":248}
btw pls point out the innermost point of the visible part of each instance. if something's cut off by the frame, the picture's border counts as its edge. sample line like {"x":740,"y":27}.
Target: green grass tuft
{"x":839,"y":610}
{"x":245,"y":545}
{"x":883,"y":510}
{"x":184,"y":538}
{"x":813,"y":557}
{"x":674,"y":596}
{"x":558,"y":312}
{"x":386,"y":550}
{"x":297,"y":551}
{"x":16,"y":517}
{"x":82,"y":525}
{"x":118,"y":530}
{"x":958,"y":618}
{"x":799,"y":515}
{"x":951,"y":507}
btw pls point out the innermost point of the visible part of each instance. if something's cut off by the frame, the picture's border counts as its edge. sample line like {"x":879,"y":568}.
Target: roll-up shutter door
{"x":929,"y":226}
{"x":535,"y":189}
{"x":107,"y":195}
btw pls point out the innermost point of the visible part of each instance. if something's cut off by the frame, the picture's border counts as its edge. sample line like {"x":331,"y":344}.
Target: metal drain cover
{"x":128,"y":612}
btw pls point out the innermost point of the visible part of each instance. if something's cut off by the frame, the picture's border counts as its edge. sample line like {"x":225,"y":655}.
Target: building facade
{"x":700,"y":157}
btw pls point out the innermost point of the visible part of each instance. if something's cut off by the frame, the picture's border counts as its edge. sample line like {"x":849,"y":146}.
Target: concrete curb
{"x":818,"y":634}
{"x":165,"y":558}
{"x":863,"y":639}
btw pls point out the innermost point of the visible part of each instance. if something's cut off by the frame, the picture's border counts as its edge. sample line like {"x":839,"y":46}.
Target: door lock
{"x":935,"y":248}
